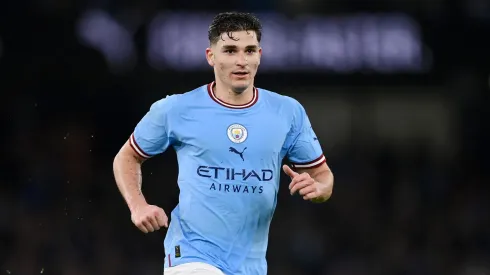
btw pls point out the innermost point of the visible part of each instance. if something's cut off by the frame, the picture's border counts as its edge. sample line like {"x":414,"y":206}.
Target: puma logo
{"x":233,"y":150}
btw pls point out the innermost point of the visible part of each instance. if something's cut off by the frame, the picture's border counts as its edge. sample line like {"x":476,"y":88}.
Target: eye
{"x":229,"y":51}
{"x":250,"y":51}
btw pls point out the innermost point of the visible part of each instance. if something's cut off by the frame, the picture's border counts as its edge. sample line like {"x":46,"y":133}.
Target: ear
{"x":260,"y":54}
{"x":210,"y":56}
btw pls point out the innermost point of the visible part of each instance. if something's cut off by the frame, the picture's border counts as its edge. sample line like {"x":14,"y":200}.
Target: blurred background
{"x":397,"y":91}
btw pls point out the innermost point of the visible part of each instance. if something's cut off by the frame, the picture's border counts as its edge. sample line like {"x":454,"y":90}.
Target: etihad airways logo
{"x":234,"y":174}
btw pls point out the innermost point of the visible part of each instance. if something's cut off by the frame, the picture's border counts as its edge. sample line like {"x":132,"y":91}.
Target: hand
{"x":305,"y":185}
{"x":149,"y":218}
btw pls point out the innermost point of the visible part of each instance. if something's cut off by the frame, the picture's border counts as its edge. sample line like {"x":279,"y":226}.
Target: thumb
{"x":289,"y":171}
{"x":162,"y":218}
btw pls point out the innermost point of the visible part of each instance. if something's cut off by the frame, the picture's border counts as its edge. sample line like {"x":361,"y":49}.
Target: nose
{"x":242,"y":60}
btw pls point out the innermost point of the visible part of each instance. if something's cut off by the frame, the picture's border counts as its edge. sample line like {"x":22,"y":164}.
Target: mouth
{"x":240,"y":73}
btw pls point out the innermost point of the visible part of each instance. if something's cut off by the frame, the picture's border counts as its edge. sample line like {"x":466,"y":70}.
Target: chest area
{"x":243,"y":135}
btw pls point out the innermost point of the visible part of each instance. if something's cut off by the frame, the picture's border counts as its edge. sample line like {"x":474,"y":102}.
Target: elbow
{"x":329,"y":192}
{"x":119,"y":160}
{"x":329,"y":187}
{"x":116,"y":162}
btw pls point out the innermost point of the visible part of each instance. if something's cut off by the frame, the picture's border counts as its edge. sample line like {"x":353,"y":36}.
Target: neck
{"x":227,"y":95}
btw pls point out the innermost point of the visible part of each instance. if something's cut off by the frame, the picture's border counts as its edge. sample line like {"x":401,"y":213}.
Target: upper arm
{"x":151,"y":135}
{"x":128,"y":151}
{"x":304,"y":149}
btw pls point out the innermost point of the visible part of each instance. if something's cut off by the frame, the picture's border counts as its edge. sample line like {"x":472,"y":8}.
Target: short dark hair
{"x":228,"y":22}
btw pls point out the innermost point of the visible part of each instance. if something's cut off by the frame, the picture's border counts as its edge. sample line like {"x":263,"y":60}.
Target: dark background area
{"x":408,"y":142}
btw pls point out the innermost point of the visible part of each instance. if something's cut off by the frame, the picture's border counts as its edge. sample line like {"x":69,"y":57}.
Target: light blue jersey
{"x":229,"y":166}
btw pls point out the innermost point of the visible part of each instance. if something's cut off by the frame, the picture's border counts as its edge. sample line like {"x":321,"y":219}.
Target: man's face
{"x":236,"y":60}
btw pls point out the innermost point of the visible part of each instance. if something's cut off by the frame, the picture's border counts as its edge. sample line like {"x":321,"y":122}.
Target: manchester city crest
{"x":237,"y":133}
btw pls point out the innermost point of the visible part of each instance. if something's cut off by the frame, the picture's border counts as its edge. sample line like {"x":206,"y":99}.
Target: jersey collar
{"x":254,"y":100}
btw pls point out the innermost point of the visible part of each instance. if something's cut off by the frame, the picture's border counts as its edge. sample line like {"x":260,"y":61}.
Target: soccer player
{"x":230,"y":138}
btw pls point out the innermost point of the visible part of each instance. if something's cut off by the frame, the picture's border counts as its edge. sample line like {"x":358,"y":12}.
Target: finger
{"x":310,"y":196}
{"x":307,"y":190}
{"x":299,"y":178}
{"x":148,"y":226}
{"x":161,"y":219}
{"x":289,"y":171}
{"x":154,"y":223}
{"x":300,"y":186}
{"x":142,"y":227}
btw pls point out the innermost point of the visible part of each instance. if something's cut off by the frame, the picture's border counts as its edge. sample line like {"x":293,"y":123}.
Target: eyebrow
{"x":233,"y":47}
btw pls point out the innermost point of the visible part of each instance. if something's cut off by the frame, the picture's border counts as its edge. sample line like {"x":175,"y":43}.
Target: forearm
{"x":127,"y":173}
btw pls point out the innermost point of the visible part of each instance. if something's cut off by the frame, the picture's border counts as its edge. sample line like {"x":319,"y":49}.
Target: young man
{"x":230,"y":139}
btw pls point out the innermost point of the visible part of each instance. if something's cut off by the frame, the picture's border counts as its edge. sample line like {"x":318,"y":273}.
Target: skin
{"x":313,"y":184}
{"x":127,"y":173}
{"x":228,"y":56}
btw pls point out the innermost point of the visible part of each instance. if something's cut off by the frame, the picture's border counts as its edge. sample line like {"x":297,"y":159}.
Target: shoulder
{"x":176,"y":103}
{"x":281,"y":101}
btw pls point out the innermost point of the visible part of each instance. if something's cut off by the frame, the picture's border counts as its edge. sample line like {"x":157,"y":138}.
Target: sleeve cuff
{"x":311,"y":164}
{"x":136,"y":148}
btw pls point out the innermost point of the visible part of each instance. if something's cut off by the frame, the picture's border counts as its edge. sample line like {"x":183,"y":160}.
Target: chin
{"x":240,"y":87}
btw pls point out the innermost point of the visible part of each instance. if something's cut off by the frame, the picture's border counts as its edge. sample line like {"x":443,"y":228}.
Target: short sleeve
{"x":151,"y":136}
{"x":304,"y":149}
